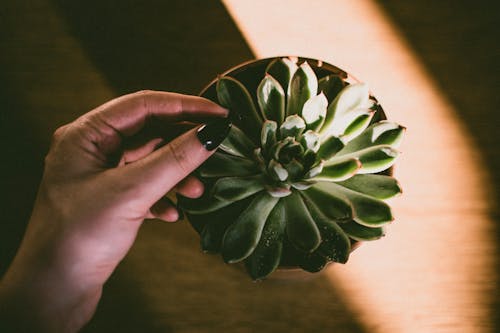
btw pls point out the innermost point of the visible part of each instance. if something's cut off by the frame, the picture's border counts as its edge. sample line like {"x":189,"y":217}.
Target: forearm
{"x":44,"y":303}
{"x":38,"y":294}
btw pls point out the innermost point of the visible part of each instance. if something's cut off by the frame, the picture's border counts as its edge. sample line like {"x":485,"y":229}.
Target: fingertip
{"x":191,"y":187}
{"x":171,"y":215}
{"x":197,"y":192}
{"x":225,"y":111}
{"x":165,"y":210}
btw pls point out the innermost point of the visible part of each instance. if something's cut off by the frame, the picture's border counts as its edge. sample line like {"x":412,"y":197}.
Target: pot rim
{"x":313,"y":62}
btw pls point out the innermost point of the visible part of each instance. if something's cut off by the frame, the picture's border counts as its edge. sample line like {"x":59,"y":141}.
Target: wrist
{"x":46,"y":288}
{"x":45,"y":301}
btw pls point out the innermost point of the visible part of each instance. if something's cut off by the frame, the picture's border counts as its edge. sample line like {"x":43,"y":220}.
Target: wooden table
{"x":60,"y":59}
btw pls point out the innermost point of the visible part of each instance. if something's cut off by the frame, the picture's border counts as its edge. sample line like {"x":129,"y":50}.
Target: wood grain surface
{"x":59,"y":59}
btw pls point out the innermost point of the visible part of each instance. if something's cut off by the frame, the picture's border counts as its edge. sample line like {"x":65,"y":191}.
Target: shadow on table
{"x":167,"y":45}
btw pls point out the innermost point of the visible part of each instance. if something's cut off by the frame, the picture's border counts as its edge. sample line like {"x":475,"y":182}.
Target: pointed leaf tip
{"x":362,"y":233}
{"x":339,"y":171}
{"x":377,"y":186}
{"x":271,"y":99}
{"x":268,"y":136}
{"x":293,"y":126}
{"x":351,"y":98}
{"x":331,"y":85}
{"x":314,"y":111}
{"x":282,"y":70}
{"x":303,"y":86}
{"x":380,"y":133}
{"x":368,"y":211}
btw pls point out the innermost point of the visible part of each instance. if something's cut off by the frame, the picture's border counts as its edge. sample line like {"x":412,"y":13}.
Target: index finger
{"x":128,"y":114}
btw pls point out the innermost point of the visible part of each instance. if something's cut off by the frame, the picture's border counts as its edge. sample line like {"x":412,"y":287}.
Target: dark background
{"x":59,"y":59}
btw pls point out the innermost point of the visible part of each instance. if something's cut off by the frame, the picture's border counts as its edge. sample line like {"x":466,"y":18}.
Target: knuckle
{"x":180,"y":157}
{"x":55,"y":145}
{"x":144,"y":92}
{"x":144,"y":96}
{"x":58,"y":133}
{"x":92,"y":128}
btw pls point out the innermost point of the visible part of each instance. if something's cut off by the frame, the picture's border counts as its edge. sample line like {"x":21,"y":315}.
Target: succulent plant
{"x":302,"y":174}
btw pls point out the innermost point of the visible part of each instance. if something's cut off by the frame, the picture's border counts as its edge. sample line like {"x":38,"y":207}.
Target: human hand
{"x":104,"y":174}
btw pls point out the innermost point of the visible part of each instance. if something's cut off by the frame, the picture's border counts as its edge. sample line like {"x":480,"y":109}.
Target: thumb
{"x":156,"y":174}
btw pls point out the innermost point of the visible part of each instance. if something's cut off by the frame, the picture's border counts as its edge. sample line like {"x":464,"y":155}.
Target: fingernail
{"x":213,"y":133}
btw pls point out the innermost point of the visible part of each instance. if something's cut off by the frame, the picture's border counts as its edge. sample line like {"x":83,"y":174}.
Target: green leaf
{"x":301,"y":229}
{"x":243,"y":235}
{"x":332,"y":204}
{"x":381,"y":133}
{"x":392,"y":137}
{"x":282,"y":70}
{"x":290,"y":151}
{"x":215,"y":224}
{"x":304,"y":85}
{"x":280,"y":145}
{"x":331,"y":146}
{"x":309,"y":158}
{"x":351,"y":99}
{"x":279,"y":191}
{"x":314,"y":111}
{"x":225,"y":165}
{"x":295,"y":169}
{"x":271,"y":99}
{"x":331,"y":85}
{"x":377,"y":186}
{"x":237,"y":188}
{"x":277,"y":171}
{"x":235,"y":97}
{"x":303,"y":185}
{"x":203,"y":205}
{"x":368,"y":211}
{"x":377,"y":160}
{"x":237,"y":143}
{"x":373,"y":159}
{"x":357,"y":126}
{"x":267,"y":255}
{"x":315,"y":170}
{"x":335,"y":172}
{"x":259,"y":158}
{"x":293,"y":126}
{"x":335,"y":245}
{"x":312,"y":262}
{"x":352,"y":122}
{"x":310,"y":141}
{"x":361,"y":233}
{"x":268,"y":135}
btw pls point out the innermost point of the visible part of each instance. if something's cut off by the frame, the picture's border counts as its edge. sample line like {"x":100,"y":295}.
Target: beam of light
{"x":434,"y":271}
